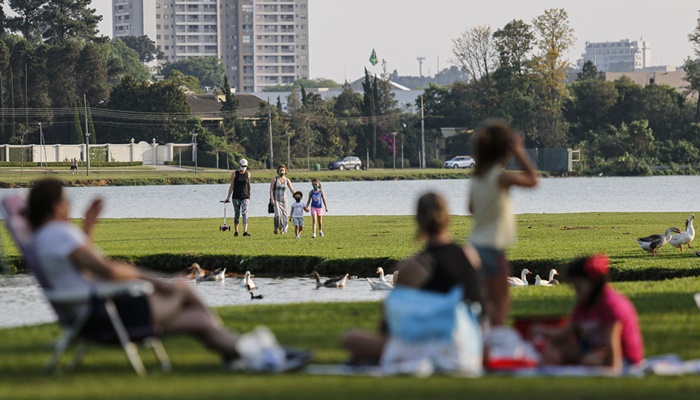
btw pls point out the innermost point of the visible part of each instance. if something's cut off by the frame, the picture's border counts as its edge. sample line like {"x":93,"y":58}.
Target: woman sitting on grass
{"x":603,"y":329}
{"x":439,"y":268}
{"x":70,"y":261}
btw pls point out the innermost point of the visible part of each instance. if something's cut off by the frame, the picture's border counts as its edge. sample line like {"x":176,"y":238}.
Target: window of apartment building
{"x":247,"y":8}
{"x":157,"y":5}
{"x":167,"y":47}
{"x":157,"y":16}
{"x":158,"y":37}
{"x":157,"y":26}
{"x":302,"y":57}
{"x":246,"y":38}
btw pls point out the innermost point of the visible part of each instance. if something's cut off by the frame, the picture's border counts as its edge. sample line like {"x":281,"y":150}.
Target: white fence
{"x":148,"y":153}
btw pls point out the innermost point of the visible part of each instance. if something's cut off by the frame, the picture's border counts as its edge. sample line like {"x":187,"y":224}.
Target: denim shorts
{"x":493,"y":261}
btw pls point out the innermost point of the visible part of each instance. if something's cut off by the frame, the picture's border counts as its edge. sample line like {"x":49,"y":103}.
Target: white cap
{"x":243,"y":162}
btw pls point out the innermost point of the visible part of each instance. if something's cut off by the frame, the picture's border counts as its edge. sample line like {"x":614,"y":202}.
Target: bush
{"x":66,"y":164}
{"x":434,"y":163}
{"x":379,"y":163}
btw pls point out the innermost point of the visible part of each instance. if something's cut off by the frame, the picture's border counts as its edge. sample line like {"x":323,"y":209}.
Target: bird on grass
{"x":654,"y":242}
{"x":338,"y":282}
{"x":686,"y":237}
{"x":522,"y":281}
{"x":550,"y":282}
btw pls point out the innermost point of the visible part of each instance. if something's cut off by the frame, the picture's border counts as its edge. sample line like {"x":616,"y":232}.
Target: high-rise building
{"x":260,"y":42}
{"x":621,"y":56}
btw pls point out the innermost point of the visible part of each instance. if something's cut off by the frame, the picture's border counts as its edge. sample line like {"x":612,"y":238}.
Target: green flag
{"x":373,"y":58}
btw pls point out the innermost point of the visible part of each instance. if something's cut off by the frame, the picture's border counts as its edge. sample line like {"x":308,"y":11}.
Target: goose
{"x":254,"y":297}
{"x":338,"y":282}
{"x":522,"y":281}
{"x":652,"y":243}
{"x":550,"y":282}
{"x":220,"y":276}
{"x":247,"y":282}
{"x":378,"y":284}
{"x":198,"y":277}
{"x":680,"y":239}
{"x":384,"y":278}
{"x":541,"y":282}
{"x":193,"y":269}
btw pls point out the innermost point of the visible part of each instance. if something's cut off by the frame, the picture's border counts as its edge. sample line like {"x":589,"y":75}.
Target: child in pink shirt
{"x":603,"y":329}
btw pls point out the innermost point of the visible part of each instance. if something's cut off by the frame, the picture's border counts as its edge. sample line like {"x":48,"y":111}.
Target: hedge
{"x":66,"y":164}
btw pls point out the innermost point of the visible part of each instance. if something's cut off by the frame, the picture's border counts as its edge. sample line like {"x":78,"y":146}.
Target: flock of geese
{"x":522,"y":281}
{"x":198,"y":274}
{"x":654,"y":242}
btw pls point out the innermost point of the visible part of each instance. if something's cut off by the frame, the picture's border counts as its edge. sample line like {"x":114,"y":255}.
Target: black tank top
{"x":450,"y":268}
{"x":240,"y":186}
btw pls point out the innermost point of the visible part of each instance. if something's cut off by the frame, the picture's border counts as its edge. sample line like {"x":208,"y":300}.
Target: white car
{"x":460,"y":162}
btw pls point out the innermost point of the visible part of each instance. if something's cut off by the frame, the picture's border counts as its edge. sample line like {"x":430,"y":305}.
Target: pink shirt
{"x":591,"y":322}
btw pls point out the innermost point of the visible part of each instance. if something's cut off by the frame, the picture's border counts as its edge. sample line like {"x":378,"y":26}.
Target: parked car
{"x":346,"y":163}
{"x":460,"y":162}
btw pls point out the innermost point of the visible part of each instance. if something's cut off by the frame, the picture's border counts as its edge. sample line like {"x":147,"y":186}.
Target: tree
{"x":475,"y":50}
{"x":692,"y":76}
{"x":3,"y":17}
{"x":28,"y":17}
{"x":208,"y":70}
{"x":76,"y":128}
{"x":92,"y":71}
{"x":123,"y":61}
{"x":513,"y":43}
{"x":590,"y":107}
{"x":189,"y":83}
{"x":144,"y":46}
{"x":694,"y":37}
{"x":589,"y":71}
{"x":69,"y":19}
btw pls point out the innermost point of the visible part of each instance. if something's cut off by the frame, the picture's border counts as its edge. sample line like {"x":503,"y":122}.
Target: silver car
{"x":346,"y":163}
{"x":460,"y":162}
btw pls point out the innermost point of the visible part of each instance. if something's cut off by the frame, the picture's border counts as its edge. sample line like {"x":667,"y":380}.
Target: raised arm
{"x":91,"y":215}
{"x":529,"y":177}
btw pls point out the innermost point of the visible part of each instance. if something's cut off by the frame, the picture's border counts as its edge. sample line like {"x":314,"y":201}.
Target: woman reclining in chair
{"x":69,"y":260}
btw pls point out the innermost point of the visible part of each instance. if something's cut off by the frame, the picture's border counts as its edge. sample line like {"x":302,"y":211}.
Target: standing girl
{"x":318,"y":202}
{"x":240,"y":189}
{"x":278,"y":199}
{"x":489,"y":202}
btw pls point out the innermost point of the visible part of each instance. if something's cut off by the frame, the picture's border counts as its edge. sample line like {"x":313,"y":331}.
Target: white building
{"x":621,"y":56}
{"x":260,"y":42}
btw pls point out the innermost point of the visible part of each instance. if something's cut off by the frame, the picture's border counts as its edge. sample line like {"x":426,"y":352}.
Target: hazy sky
{"x":343,"y":32}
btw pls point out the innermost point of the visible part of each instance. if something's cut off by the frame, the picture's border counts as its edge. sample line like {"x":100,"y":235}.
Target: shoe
{"x":246,"y":234}
{"x":320,"y":233}
{"x":313,"y":235}
{"x":236,"y":234}
{"x":298,"y":236}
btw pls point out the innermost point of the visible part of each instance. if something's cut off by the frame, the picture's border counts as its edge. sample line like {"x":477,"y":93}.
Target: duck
{"x":686,"y":237}
{"x":254,"y":297}
{"x":220,"y":275}
{"x":378,"y":284}
{"x":193,"y":269}
{"x":338,"y":282}
{"x":247,"y":282}
{"x":384,"y":278}
{"x":522,"y":281}
{"x":654,"y":242}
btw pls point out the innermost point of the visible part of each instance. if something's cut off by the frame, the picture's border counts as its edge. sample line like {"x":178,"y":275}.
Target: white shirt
{"x":494,"y":223}
{"x":53,"y":244}
{"x":297,"y":209}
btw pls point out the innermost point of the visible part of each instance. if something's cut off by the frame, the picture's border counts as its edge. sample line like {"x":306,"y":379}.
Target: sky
{"x":342,"y":33}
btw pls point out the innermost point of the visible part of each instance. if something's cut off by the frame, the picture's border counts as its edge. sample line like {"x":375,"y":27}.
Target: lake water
{"x":23,"y":304}
{"x":554,"y":195}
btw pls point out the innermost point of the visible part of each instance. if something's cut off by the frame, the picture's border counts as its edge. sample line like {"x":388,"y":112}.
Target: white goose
{"x":247,"y":282}
{"x":550,"y":282}
{"x":220,"y":276}
{"x":522,"y":281}
{"x":686,"y":237}
{"x":386,"y":284}
{"x":382,"y":277}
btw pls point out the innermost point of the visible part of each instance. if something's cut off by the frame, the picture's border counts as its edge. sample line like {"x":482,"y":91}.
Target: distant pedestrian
{"x":278,"y":199}
{"x":317,"y":200}
{"x":297,"y":216}
{"x":489,"y":202}
{"x":73,"y":166}
{"x":240,"y":189}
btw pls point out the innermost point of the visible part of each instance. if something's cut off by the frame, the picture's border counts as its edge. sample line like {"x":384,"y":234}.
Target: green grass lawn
{"x":544,"y":240}
{"x":145,"y":175}
{"x":669,"y":319}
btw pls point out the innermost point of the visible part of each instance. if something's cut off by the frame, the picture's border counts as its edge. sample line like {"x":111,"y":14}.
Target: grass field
{"x":360,"y":244}
{"x":145,"y":175}
{"x":669,"y":319}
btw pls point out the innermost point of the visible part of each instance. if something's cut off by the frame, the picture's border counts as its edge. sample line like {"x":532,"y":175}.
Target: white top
{"x":53,"y":245}
{"x":297,"y":209}
{"x":494,"y":223}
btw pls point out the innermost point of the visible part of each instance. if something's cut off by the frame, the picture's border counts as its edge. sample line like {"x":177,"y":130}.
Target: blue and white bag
{"x":432,"y":332}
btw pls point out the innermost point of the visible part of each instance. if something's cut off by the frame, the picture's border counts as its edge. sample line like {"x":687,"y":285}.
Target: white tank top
{"x":494,"y":222}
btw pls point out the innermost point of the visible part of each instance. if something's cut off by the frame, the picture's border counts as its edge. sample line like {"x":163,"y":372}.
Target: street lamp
{"x":393,"y":143}
{"x":402,"y":137}
{"x":194,"y":150}
{"x":289,"y":162}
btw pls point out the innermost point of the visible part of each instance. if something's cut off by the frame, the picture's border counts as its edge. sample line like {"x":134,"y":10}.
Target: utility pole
{"x":420,"y":65}
{"x":422,"y":133}
{"x":269,"y":125}
{"x":289,"y":158}
{"x":43,"y":148}
{"x":87,"y":139}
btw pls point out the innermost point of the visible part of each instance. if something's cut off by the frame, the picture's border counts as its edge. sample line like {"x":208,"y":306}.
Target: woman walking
{"x":240,"y":189}
{"x":278,"y":199}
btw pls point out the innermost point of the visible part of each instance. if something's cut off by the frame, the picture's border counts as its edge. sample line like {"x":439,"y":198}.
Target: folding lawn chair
{"x":73,"y":308}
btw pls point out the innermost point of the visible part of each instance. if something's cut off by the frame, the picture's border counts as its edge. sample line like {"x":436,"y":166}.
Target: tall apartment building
{"x":260,"y":42}
{"x":621,"y":56}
